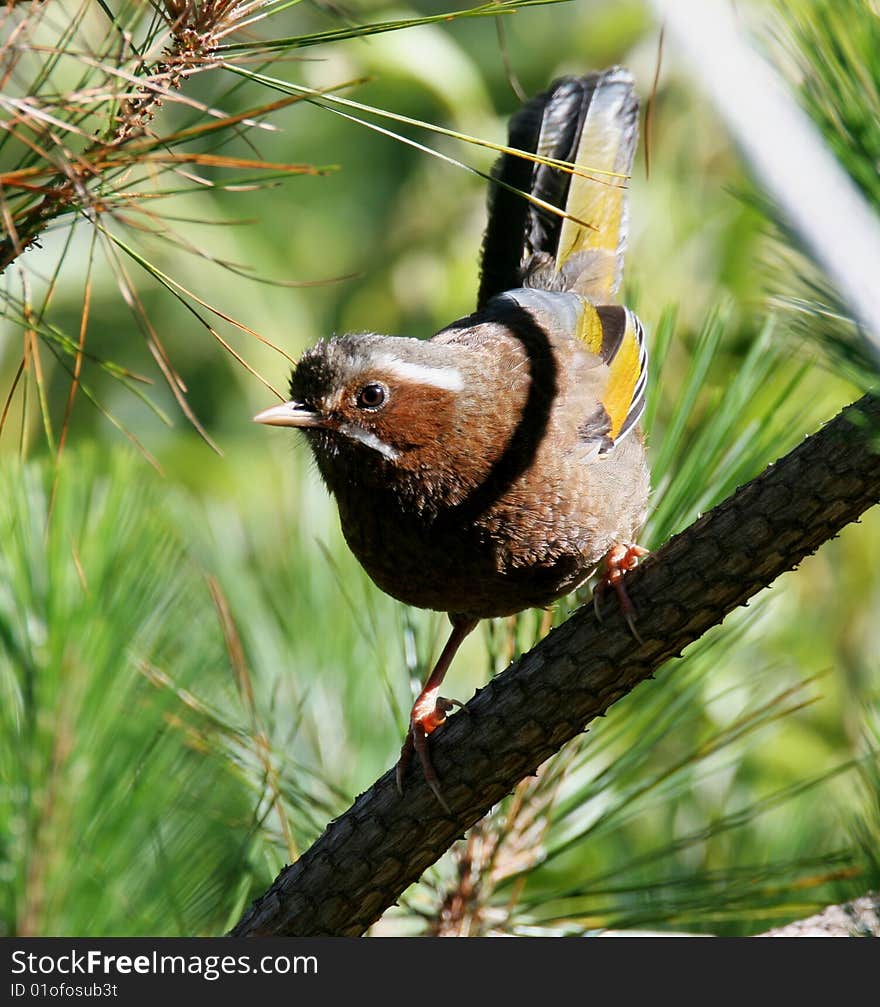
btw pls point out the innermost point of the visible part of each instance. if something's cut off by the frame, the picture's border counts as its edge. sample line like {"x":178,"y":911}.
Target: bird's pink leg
{"x":618,"y":560}
{"x":429,"y":712}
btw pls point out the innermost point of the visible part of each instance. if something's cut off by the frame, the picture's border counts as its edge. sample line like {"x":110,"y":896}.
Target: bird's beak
{"x":290,"y":414}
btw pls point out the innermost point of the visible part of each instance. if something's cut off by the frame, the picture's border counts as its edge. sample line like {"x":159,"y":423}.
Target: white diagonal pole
{"x":785,"y":150}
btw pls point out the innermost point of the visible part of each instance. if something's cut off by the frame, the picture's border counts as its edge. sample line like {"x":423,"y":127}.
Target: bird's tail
{"x":590,"y":121}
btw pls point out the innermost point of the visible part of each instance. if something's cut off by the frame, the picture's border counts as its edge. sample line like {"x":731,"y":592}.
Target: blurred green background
{"x":195,"y":673}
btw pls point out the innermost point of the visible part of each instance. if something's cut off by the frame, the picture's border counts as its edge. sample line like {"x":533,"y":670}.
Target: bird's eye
{"x":371,"y":396}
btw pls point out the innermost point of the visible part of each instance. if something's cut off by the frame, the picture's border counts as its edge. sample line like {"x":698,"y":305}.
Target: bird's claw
{"x":619,"y":559}
{"x":423,"y":722}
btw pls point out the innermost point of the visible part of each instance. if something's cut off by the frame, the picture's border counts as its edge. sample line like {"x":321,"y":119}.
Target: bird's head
{"x":376,"y":404}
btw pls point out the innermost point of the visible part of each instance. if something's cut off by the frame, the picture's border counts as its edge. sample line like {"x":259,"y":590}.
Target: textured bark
{"x":367,"y":857}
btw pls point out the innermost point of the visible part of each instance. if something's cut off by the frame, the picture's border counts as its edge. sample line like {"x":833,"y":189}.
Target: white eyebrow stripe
{"x":448,"y":378}
{"x":368,"y":438}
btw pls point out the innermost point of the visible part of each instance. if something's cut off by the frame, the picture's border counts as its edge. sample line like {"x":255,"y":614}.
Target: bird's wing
{"x":612,"y":365}
{"x":591,"y":121}
{"x":624,"y":350}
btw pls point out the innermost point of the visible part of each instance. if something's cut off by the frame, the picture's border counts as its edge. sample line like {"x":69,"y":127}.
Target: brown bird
{"x":492,"y":467}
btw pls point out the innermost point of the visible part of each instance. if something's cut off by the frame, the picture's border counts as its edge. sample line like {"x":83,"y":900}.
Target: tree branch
{"x":367,"y":857}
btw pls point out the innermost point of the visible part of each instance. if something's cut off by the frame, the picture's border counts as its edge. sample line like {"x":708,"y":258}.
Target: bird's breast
{"x":498,"y":549}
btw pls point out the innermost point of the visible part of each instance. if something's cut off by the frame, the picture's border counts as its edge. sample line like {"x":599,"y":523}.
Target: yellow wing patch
{"x":590,"y":329}
{"x":622,"y":382}
{"x":625,"y":353}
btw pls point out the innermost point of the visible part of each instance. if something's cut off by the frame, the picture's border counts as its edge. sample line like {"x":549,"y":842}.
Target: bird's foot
{"x":618,"y":560}
{"x":428,"y":713}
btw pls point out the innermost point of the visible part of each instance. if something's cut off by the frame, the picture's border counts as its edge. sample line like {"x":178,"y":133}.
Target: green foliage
{"x":195,"y":675}
{"x":106,"y":793}
{"x":836,"y":45}
{"x":835,"y":50}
